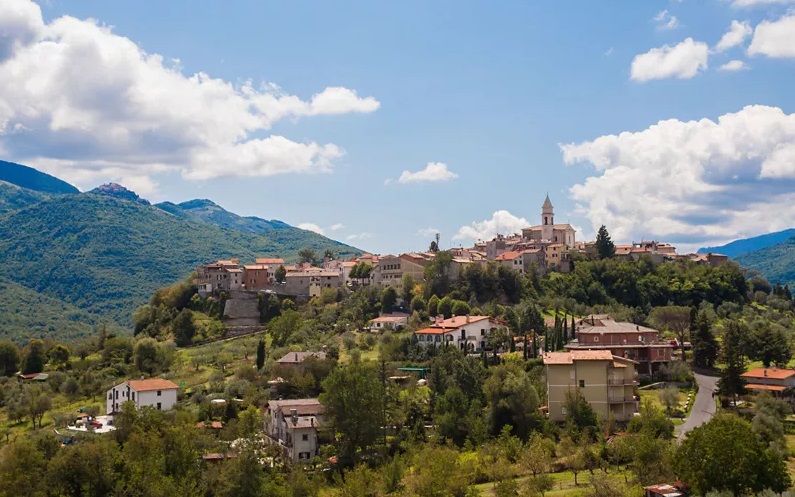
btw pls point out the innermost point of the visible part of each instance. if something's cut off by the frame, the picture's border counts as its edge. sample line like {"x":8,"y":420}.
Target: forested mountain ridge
{"x":776,"y":262}
{"x":209,"y":211}
{"x":30,"y":178}
{"x":94,"y":257}
{"x":748,"y":245}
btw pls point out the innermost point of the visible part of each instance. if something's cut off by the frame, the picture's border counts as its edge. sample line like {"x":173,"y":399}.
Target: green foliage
{"x":35,"y":357}
{"x":769,"y":343}
{"x":580,"y":419}
{"x":731,"y":383}
{"x":388,"y":299}
{"x":33,"y":180}
{"x":725,"y":454}
{"x":605,"y":247}
{"x":352,"y":399}
{"x":9,"y":358}
{"x":512,"y":400}
{"x":705,"y":345}
{"x":776,"y":262}
{"x":652,"y":422}
{"x":183,"y":328}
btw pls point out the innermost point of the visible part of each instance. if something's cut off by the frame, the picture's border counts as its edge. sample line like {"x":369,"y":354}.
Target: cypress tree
{"x":260,"y":354}
{"x":535,"y":345}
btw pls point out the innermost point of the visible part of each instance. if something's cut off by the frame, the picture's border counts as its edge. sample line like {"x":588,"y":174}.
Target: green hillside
{"x":14,"y":197}
{"x":26,"y":314}
{"x":106,"y":256}
{"x":29,"y":178}
{"x":776,"y":263}
{"x":209,"y":211}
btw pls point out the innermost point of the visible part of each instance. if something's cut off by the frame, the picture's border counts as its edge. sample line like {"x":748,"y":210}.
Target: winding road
{"x":703,"y":405}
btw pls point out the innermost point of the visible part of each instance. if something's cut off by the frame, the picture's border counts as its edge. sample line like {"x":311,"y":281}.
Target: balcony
{"x":619,"y":399}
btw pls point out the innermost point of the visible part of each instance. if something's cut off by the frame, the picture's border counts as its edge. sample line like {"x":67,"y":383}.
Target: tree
{"x":580,"y":419}
{"x":725,"y":454}
{"x":417,"y":303}
{"x":669,"y":398}
{"x":59,"y":354}
{"x":512,"y":400}
{"x":35,"y":359}
{"x":672,"y":318}
{"x":182,"y":328}
{"x":433,"y":305}
{"x":768,"y":343}
{"x":280,"y":274}
{"x":407,"y":289}
{"x":537,"y":454}
{"x":731,"y":383}
{"x":446,"y":307}
{"x":705,"y":346}
{"x":260,"y":354}
{"x":353,"y":399}
{"x":605,"y":247}
{"x":147,"y":355}
{"x":9,"y":358}
{"x":388,"y":300}
{"x":37,"y":400}
{"x":434,"y":247}
{"x":307,"y":255}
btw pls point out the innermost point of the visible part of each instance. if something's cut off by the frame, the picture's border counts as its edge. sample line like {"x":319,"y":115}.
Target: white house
{"x":293,"y":424}
{"x":394,"y":321}
{"x":469,"y":333}
{"x":153,"y":392}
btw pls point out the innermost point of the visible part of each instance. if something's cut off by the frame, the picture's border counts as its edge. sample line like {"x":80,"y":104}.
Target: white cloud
{"x":681,"y":61}
{"x":734,"y":65}
{"x":754,"y":3}
{"x":427,"y":232}
{"x":336,"y":227}
{"x":501,"y":222}
{"x":774,"y":38}
{"x":736,"y":35}
{"x":692,"y":183}
{"x":82,"y":102}
{"x":665,"y":21}
{"x":358,"y":236}
{"x":312,"y":227}
{"x":433,"y":172}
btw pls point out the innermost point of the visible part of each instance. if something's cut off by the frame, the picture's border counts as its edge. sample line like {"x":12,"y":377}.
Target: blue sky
{"x":664,"y":120}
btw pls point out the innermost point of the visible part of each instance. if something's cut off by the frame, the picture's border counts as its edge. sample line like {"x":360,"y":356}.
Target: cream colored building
{"x":607,"y":382}
{"x":549,"y":232}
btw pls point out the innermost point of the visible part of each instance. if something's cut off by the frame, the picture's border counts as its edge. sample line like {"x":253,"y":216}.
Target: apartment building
{"x":293,"y":425}
{"x":156,"y":393}
{"x":607,"y":382}
{"x":627,"y":340}
{"x":225,"y":275}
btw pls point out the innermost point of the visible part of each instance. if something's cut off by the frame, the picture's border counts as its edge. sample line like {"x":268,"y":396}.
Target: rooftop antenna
{"x":437,"y":240}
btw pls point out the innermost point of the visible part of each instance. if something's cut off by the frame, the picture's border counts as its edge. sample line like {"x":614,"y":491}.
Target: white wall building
{"x":157,"y":393}
{"x":469,"y":333}
{"x":293,"y":424}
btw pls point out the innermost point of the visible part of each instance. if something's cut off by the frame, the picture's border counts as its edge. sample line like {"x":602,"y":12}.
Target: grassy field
{"x":564,"y":483}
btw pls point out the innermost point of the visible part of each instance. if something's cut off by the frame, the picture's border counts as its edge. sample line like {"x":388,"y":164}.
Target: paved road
{"x":703,"y":405}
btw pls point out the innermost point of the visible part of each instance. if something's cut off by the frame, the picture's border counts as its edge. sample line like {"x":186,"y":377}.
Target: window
{"x":159,"y":407}
{"x":158,"y":393}
{"x":582,"y":383}
{"x":595,"y":339}
{"x":133,"y":396}
{"x":117,"y":393}
{"x":303,"y":455}
{"x":482,"y":332}
{"x":304,"y":437}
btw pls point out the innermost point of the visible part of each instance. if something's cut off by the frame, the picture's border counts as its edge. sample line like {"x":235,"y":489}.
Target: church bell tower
{"x":547,"y":220}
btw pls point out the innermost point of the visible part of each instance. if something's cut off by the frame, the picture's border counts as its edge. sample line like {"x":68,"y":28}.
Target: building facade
{"x":468,"y":333}
{"x":293,"y":425}
{"x":156,"y":393}
{"x":607,"y":382}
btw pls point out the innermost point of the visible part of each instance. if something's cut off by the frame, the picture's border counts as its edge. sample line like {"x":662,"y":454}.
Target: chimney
{"x":142,"y":377}
{"x":467,"y":318}
{"x":637,"y":328}
{"x":296,"y":357}
{"x":294,"y":416}
{"x":765,"y":372}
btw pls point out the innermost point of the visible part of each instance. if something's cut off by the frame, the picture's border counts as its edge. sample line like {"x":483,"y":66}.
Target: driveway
{"x":703,"y":406}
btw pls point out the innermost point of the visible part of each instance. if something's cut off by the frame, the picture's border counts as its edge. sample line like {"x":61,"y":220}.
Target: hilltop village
{"x":522,"y":365}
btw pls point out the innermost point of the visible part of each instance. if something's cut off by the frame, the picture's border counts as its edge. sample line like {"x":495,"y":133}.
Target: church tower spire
{"x":547,"y":219}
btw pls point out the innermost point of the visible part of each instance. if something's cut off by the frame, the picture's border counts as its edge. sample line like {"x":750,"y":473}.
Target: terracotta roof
{"x":770,"y":388}
{"x":458,"y":321}
{"x":664,"y":489}
{"x":507,"y":256}
{"x":617,"y":364}
{"x":303,"y":407}
{"x":299,"y":357}
{"x":604,"y":325}
{"x":775,"y":373}
{"x":250,"y":267}
{"x":266,"y":260}
{"x":434,"y":331}
{"x":152,"y":384}
{"x":577,"y":355}
{"x":390,"y":319}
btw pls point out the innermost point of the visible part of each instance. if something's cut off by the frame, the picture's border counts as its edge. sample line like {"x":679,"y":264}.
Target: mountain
{"x":209,"y":211}
{"x":29,"y":178}
{"x":776,"y":262}
{"x":747,"y":245}
{"x":70,"y":262}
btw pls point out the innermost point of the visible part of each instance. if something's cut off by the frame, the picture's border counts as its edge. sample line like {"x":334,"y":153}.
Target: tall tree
{"x":388,"y":300}
{"x":768,"y":342}
{"x":260,"y":354}
{"x":512,"y":400}
{"x":731,"y":383}
{"x":353,"y":398}
{"x":182,"y":328}
{"x":705,"y":346}
{"x":36,"y":357}
{"x":280,"y":274}
{"x":726,"y":455}
{"x":307,"y":255}
{"x":673,"y":318}
{"x":407,"y":289}
{"x":9,"y":358}
{"x":605,"y":247}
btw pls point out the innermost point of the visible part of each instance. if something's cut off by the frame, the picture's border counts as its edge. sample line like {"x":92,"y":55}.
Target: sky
{"x":380,"y":124}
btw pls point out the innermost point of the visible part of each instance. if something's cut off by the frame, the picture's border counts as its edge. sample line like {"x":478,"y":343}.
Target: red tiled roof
{"x":775,"y":373}
{"x":577,"y":355}
{"x":434,"y":331}
{"x":152,"y":384}
{"x":770,"y":388}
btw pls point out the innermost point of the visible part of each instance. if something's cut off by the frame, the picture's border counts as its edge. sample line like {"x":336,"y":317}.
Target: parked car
{"x":95,"y":424}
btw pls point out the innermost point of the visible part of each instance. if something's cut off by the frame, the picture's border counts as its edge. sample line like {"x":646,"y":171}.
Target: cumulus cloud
{"x":87,"y":104}
{"x":501,"y":222}
{"x":681,"y":61}
{"x":427,"y":232}
{"x":694,"y":182}
{"x":754,"y":3}
{"x":774,"y":39}
{"x":666,"y":21}
{"x":734,"y":65}
{"x":336,"y":227}
{"x":433,"y":172}
{"x":736,"y":35}
{"x":312,"y":227}
{"x":358,"y":236}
